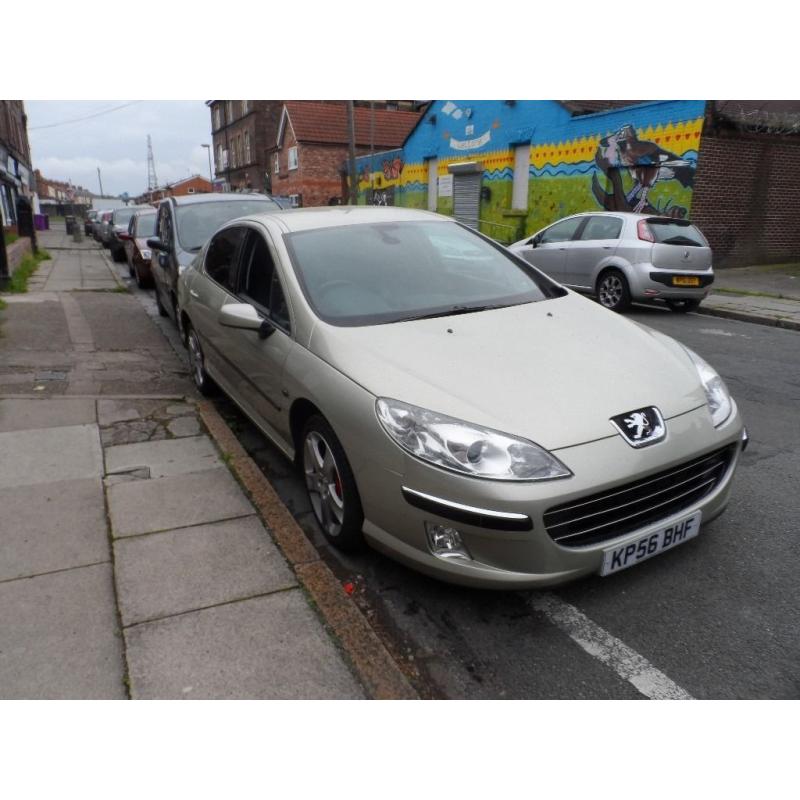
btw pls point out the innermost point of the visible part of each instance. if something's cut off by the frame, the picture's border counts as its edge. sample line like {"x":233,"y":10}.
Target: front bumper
{"x":514,"y":554}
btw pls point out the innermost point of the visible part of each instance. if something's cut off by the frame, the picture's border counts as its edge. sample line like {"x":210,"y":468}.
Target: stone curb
{"x":380,"y":675}
{"x":741,"y":316}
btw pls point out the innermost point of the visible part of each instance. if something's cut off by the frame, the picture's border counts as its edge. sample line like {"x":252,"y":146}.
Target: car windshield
{"x":123,"y":216}
{"x":391,"y":272}
{"x":146,"y":225}
{"x":197,"y":221}
{"x":670,"y":231}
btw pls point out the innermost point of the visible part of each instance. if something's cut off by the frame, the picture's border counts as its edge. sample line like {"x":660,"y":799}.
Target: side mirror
{"x":154,"y":243}
{"x":536,"y":240}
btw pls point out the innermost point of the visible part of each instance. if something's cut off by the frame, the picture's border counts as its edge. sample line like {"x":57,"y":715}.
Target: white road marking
{"x":715,"y":332}
{"x":600,"y":644}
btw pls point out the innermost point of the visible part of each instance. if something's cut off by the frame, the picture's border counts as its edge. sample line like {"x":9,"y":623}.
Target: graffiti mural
{"x":647,"y":163}
{"x":640,"y":157}
{"x":380,"y":197}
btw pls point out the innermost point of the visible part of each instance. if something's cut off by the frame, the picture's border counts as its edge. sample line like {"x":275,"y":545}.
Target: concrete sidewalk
{"x":765,"y":294}
{"x":132,"y":564}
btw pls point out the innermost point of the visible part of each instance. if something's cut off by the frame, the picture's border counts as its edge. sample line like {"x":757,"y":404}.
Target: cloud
{"x":117,"y":142}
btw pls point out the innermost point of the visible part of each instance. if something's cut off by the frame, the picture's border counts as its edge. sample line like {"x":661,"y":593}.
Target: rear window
{"x":672,"y":231}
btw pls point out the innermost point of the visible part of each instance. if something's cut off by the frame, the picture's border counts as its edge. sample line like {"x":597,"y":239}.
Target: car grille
{"x":627,"y":508}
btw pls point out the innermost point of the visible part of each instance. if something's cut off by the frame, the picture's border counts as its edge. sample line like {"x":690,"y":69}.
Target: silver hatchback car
{"x":623,"y":258}
{"x":451,"y":404}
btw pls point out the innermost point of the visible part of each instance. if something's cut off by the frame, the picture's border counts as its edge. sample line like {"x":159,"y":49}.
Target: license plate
{"x":685,"y":280}
{"x":626,"y":555}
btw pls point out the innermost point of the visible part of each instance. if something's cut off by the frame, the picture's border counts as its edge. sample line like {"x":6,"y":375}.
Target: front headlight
{"x":146,"y":254}
{"x":717,"y":394}
{"x":464,"y":447}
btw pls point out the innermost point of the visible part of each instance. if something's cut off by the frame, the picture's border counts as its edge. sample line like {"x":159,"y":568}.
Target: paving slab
{"x":164,"y":458}
{"x":271,"y":647}
{"x":59,"y":637}
{"x":52,"y":526}
{"x":18,"y":415}
{"x":46,"y":455}
{"x":111,"y":411}
{"x":177,"y":571}
{"x":159,"y":504}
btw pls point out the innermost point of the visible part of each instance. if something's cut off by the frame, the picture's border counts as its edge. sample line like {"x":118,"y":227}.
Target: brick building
{"x":312,"y":146}
{"x":52,"y":191}
{"x":16,"y":176}
{"x":243,"y":134}
{"x":747,"y":185}
{"x":195,"y":184}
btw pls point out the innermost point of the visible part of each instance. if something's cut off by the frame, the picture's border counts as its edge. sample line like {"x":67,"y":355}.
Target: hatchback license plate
{"x":626,"y":555}
{"x":685,"y":280}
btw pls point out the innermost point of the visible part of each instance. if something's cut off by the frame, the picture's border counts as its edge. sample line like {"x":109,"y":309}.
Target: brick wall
{"x":16,"y":252}
{"x":747,"y":198}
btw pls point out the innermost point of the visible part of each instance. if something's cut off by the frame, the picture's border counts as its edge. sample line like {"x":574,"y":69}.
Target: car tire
{"x":612,"y":290}
{"x":683,"y":306}
{"x":197,"y":362}
{"x":330,"y":485}
{"x":162,"y":312}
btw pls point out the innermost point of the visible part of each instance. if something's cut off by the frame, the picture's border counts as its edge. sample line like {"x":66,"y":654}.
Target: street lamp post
{"x":210,"y":174}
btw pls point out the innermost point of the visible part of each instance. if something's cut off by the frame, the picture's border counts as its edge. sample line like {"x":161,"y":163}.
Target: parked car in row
{"x":624,"y":257}
{"x":88,"y":223}
{"x":450,"y":403}
{"x":120,"y":218}
{"x":183,"y":226}
{"x":141,"y":227}
{"x":100,"y":226}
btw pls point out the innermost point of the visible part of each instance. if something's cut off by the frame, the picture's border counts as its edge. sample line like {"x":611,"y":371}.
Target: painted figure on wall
{"x":647,"y":163}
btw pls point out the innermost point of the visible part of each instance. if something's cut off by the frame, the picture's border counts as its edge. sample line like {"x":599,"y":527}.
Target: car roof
{"x":301,"y":219}
{"x":213,"y":197}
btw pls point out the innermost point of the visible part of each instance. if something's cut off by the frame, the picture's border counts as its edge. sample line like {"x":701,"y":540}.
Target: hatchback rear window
{"x":672,"y":231}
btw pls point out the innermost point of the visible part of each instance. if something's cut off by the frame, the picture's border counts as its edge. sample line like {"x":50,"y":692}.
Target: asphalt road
{"x":716,"y":617}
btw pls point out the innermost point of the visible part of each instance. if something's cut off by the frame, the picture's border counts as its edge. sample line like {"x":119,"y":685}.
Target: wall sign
{"x":445,"y":186}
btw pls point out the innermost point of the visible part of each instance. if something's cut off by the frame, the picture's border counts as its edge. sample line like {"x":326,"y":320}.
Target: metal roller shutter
{"x":466,"y":198}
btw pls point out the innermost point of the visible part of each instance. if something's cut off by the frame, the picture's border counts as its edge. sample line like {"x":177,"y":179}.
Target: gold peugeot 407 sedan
{"x":450,"y":404}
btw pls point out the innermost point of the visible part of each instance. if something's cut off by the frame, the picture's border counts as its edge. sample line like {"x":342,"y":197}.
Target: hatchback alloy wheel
{"x":613,"y":292}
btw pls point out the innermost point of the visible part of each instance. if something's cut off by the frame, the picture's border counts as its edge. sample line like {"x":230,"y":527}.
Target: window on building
{"x":296,"y":200}
{"x":247,"y":147}
{"x":229,"y":105}
{"x":277,"y":163}
{"x":519,"y":192}
{"x":216,"y":118}
{"x":293,"y":158}
{"x":190,"y":190}
{"x":219,"y":158}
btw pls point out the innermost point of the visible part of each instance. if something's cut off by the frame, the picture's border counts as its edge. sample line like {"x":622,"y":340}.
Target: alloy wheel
{"x":611,"y":291}
{"x":196,"y":360}
{"x":324,"y":483}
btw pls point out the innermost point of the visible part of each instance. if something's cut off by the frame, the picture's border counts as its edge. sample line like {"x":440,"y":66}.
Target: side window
{"x":132,"y":225}
{"x":562,"y":231}
{"x":602,"y":228}
{"x":221,"y":256}
{"x":165,"y":225}
{"x":260,"y":283}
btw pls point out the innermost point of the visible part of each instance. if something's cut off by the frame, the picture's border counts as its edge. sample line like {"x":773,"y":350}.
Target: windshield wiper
{"x":450,"y":312}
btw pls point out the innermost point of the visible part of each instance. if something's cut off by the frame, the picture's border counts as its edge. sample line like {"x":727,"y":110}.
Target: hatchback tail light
{"x":644,"y":232}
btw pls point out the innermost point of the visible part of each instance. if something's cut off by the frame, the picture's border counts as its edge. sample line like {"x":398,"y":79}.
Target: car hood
{"x":554,"y":372}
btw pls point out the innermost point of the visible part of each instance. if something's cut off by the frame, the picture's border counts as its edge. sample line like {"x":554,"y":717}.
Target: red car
{"x":138,"y":254}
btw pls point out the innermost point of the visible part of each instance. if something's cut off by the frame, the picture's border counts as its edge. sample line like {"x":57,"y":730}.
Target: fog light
{"x":445,"y":542}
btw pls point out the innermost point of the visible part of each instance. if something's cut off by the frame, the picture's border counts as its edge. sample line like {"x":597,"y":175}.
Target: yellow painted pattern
{"x":677,"y":138}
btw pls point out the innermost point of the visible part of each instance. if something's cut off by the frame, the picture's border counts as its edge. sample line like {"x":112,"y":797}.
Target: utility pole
{"x":100,"y":180}
{"x":351,"y":128}
{"x":210,"y":173}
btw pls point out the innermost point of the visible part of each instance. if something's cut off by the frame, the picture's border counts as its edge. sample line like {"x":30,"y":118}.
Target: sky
{"x":117,"y":141}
